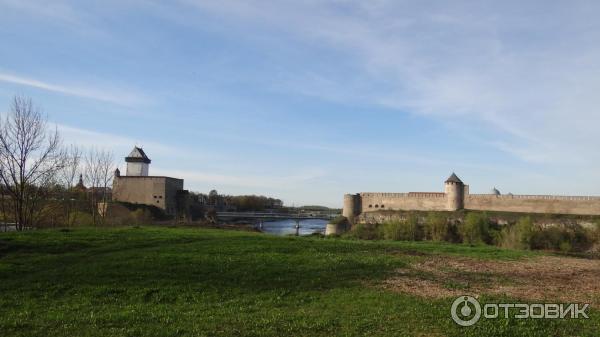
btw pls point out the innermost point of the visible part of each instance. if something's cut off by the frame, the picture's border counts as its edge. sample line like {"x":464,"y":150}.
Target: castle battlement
{"x":535,"y":196}
{"x":403,"y":195}
{"x":456,"y":196}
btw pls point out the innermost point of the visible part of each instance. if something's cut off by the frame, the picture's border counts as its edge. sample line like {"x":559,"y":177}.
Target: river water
{"x":288,"y":226}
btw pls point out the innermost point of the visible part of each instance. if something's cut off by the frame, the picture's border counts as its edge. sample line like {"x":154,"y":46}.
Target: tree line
{"x":39,"y":174}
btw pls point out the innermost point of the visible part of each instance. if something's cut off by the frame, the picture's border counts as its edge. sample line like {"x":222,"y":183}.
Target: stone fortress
{"x":456,"y":196}
{"x":137,"y":187}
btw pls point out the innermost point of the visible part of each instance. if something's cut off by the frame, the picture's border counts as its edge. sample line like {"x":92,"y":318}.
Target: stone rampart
{"x":424,"y":201}
{"x":456,"y":196}
{"x":549,"y":204}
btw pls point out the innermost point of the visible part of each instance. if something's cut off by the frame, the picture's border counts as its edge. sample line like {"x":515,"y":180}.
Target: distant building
{"x":138,"y":187}
{"x":456,"y":196}
{"x":80,"y":187}
{"x":137,"y":162}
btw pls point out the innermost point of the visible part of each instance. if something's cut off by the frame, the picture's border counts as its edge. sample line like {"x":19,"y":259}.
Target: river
{"x":288,"y":226}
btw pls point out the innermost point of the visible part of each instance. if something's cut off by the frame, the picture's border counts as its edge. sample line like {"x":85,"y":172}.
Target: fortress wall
{"x":403,"y":201}
{"x":581,"y":205}
{"x":156,"y":191}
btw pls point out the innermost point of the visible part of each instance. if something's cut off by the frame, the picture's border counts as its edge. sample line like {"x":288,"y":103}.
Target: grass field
{"x":199,"y":282}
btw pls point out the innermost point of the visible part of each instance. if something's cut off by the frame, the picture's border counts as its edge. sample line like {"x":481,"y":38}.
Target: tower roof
{"x":80,"y":186}
{"x":137,"y":155}
{"x":453,"y":179}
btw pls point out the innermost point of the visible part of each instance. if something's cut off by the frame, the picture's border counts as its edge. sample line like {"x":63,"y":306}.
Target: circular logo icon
{"x":465,"y":311}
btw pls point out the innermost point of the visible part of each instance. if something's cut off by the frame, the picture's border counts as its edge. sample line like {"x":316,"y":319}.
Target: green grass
{"x":197,"y":282}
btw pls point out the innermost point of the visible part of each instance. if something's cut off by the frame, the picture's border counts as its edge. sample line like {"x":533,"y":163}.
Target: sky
{"x":308,"y":100}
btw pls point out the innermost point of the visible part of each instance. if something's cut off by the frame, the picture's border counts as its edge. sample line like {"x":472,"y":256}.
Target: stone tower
{"x":137,"y":162}
{"x":455,"y":193}
{"x":351,"y":206}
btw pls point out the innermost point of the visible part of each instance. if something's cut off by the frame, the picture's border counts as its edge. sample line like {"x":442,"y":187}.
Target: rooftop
{"x":454,"y":179}
{"x":137,"y":155}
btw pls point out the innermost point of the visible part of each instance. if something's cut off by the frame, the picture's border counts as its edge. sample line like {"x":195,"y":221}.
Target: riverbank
{"x":157,"y":281}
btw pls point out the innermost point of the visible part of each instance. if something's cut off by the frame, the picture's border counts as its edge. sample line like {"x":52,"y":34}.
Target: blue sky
{"x":308,"y":100}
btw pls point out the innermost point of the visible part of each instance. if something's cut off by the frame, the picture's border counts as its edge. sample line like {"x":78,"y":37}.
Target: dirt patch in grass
{"x":544,"y":278}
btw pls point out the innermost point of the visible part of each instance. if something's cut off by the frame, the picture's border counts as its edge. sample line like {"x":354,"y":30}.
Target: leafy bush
{"x":595,"y":232}
{"x":365,"y":232}
{"x":339,"y":220}
{"x":81,"y":219}
{"x":141,"y":216}
{"x":475,"y":228}
{"x":519,"y":235}
{"x":436,"y":226}
{"x":407,"y":230}
{"x":570,"y":238}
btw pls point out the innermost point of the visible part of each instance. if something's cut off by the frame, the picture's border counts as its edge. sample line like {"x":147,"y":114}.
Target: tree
{"x":30,"y":157}
{"x":437,"y":226}
{"x":99,"y":167}
{"x":475,"y":228}
{"x":213,"y":198}
{"x":67,"y":177}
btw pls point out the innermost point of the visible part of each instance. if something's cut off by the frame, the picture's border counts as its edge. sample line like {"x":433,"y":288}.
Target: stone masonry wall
{"x":371,"y":202}
{"x":548,"y":204}
{"x":580,"y":205}
{"x":155,"y":191}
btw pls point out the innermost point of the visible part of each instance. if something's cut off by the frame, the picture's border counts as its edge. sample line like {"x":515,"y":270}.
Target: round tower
{"x":455,"y":193}
{"x":351,"y":206}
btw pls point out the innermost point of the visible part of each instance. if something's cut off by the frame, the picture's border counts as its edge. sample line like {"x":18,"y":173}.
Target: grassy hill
{"x":198,"y":282}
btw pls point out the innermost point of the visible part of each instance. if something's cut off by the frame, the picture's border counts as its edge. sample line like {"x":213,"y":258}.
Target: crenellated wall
{"x":371,"y":202}
{"x":457,"y":196}
{"x":550,"y":204}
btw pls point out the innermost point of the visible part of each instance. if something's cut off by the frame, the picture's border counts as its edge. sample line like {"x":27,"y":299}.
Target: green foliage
{"x":78,"y":218}
{"x":595,"y":232}
{"x":573,"y":238}
{"x":565,"y":246}
{"x":339,"y":220}
{"x":405,"y":230}
{"x":365,"y":232}
{"x":519,"y":235}
{"x":475,"y":228}
{"x":141,"y":216}
{"x":436,"y":226}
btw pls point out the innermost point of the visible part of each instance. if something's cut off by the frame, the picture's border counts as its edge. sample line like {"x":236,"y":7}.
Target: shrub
{"x":339,"y":220}
{"x":565,"y":246}
{"x":407,"y":230}
{"x":141,"y":216}
{"x":365,"y":232}
{"x":436,"y":226}
{"x":81,"y":219}
{"x":519,"y":235}
{"x":595,"y":232}
{"x":569,"y":238}
{"x":475,"y":228}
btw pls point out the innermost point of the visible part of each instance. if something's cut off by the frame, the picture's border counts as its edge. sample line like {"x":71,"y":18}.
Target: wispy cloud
{"x":530,"y":77}
{"x":125,"y":97}
{"x":119,"y":144}
{"x":258,"y":182}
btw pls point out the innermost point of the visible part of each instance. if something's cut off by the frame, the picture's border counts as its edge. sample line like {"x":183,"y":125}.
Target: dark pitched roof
{"x":137,"y":155}
{"x":453,"y":179}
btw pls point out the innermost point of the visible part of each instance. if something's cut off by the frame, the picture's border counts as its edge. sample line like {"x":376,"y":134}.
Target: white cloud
{"x":120,"y":145}
{"x":121,"y":97}
{"x":531,"y":77}
{"x":261,"y":182}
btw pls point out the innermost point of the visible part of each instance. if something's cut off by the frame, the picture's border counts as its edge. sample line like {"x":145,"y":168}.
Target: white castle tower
{"x":137,"y":162}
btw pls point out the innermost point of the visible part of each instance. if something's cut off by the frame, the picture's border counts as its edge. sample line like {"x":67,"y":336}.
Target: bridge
{"x":275,"y":216}
{"x":260,"y":217}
